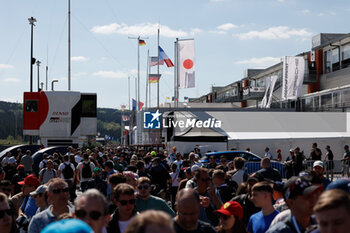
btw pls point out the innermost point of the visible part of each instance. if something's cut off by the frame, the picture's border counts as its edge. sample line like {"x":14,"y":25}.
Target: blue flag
{"x":133,"y":104}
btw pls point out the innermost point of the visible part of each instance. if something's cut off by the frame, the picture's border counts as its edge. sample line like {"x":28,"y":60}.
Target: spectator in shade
{"x":96,"y":182}
{"x":27,"y":162}
{"x":268,"y":172}
{"x":231,"y":215}
{"x":7,"y":221}
{"x":318,"y":168}
{"x":332,"y":212}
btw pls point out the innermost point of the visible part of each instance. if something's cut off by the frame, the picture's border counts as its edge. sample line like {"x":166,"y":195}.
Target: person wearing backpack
{"x":66,"y":171}
{"x":47,"y":173}
{"x":84,"y":171}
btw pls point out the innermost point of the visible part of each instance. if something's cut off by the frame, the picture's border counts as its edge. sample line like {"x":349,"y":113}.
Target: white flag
{"x":293,"y":77}
{"x":273,"y":80}
{"x":186,"y":63}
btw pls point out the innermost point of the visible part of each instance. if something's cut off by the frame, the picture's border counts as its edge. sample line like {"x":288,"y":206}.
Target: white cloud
{"x":11,"y":80}
{"x":280,"y":0}
{"x":144,"y":29}
{"x":110,"y":74}
{"x":306,"y":11}
{"x":226,"y":26}
{"x":6,"y":66}
{"x":279,"y":32}
{"x":79,"y":58}
{"x":218,"y":32}
{"x":195,"y":31}
{"x":320,"y":14}
{"x":333,"y":13}
{"x":260,"y":62}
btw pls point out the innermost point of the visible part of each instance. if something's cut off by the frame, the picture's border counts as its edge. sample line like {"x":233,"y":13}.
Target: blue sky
{"x":230,"y":36}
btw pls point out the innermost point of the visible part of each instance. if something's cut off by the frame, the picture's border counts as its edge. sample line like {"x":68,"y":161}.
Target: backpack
{"x":54,"y":172}
{"x":86,"y":170}
{"x":67,"y":171}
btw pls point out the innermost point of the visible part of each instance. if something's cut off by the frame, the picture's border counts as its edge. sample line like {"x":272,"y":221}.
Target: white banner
{"x":186,"y":64}
{"x":272,"y":87}
{"x":293,"y":76}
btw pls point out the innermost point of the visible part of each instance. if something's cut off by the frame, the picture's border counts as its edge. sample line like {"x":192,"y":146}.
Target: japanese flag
{"x":186,"y":64}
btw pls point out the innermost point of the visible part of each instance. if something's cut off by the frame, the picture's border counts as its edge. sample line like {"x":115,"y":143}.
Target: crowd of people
{"x":123,"y":190}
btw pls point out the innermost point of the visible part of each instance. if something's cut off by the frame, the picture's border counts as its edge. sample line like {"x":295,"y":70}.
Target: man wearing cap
{"x":300,"y":196}
{"x":318,"y":168}
{"x":231,"y":215}
{"x":58,"y":196}
{"x":97,"y":182}
{"x":188,"y":211}
{"x":40,"y":197}
{"x":10,"y":168}
{"x":22,"y":202}
{"x":290,"y":164}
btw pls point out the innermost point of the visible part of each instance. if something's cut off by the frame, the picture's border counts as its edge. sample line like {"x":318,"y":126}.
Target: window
{"x":327,"y":61}
{"x":308,"y":103}
{"x":316,"y":102}
{"x":88,"y":105}
{"x":249,"y":157}
{"x":346,"y":55}
{"x":335,"y":59}
{"x":336,"y":99}
{"x":346,"y":97}
{"x":261,"y":82}
{"x":31,"y":106}
{"x":326,"y":101}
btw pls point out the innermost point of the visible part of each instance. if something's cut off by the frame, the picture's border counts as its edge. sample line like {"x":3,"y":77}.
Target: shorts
{"x":345,"y":168}
{"x":329,"y":165}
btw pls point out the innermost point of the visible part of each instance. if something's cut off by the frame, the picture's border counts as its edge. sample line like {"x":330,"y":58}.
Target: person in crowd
{"x":239,"y":175}
{"x":5,"y":159}
{"x":27,"y":162}
{"x":77,"y":157}
{"x":92,"y":207}
{"x":47,"y":173}
{"x":5,"y":187}
{"x":66,"y":171}
{"x":208,"y":192}
{"x":131,"y":178}
{"x":124,"y":198}
{"x":231,"y":215}
{"x":226,"y":190}
{"x":2,"y":173}
{"x":11,"y":168}
{"x":280,"y":203}
{"x":299,"y":158}
{"x":279,"y":155}
{"x":17,"y":177}
{"x":223,"y":163}
{"x":22,"y":201}
{"x":300,"y":195}
{"x":230,"y":166}
{"x":316,"y":153}
{"x":58,"y":196}
{"x":346,"y":162}
{"x":172,"y":155}
{"x":174,"y":185}
{"x":160,"y":176}
{"x":41,"y":198}
{"x":262,"y":198}
{"x":245,"y":199}
{"x":114,"y":180}
{"x":188,"y":204}
{"x":96,"y":182}
{"x":7,"y":220}
{"x":267,"y":153}
{"x":191,"y":183}
{"x":290,"y":164}
{"x":150,"y":222}
{"x":146,"y":201}
{"x":329,"y":162}
{"x":318,"y":168}
{"x":109,"y":168}
{"x":178,"y":162}
{"x":212,"y":162}
{"x":332,"y":212}
{"x":141,"y":169}
{"x":188,"y":176}
{"x":268,"y":172}
{"x":84,"y":171}
{"x":117,"y":165}
{"x":43,"y":162}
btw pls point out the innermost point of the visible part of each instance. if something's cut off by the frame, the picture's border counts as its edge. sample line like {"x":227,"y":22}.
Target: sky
{"x":230,"y":36}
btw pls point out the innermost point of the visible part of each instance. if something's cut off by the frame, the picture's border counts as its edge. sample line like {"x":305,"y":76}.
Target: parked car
{"x":252,"y":163}
{"x":23,"y":147}
{"x":38,"y":156}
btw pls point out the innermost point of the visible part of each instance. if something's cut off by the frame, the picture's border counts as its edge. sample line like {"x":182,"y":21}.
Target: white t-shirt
{"x":78,"y":158}
{"x":80,"y":167}
{"x":238,"y":177}
{"x":123,"y":225}
{"x":174,"y":178}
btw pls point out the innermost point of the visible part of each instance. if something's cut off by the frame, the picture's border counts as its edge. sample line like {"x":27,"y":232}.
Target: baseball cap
{"x":194,"y":168}
{"x":318,"y":163}
{"x":257,"y":177}
{"x":96,"y":169}
{"x":343,"y":184}
{"x":153,"y":153}
{"x":298,"y":186}
{"x":68,"y":226}
{"x":278,"y":150}
{"x":133,"y":158}
{"x":41,"y":189}
{"x":21,"y":166}
{"x":291,"y":150}
{"x":278,"y":186}
{"x":231,"y":208}
{"x":30,"y":180}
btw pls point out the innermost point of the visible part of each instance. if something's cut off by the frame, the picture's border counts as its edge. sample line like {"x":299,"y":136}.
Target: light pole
{"x":53,"y":81}
{"x":38,"y":64}
{"x":31,"y":20}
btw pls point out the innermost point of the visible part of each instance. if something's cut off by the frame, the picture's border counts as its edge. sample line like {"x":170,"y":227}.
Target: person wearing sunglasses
{"x":124,"y":199}
{"x":231,"y":215}
{"x":92,"y":207}
{"x":146,"y":201}
{"x":7,"y":221}
{"x":58,"y":197}
{"x":5,"y":187}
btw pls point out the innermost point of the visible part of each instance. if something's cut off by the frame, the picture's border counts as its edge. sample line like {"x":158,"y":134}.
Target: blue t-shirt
{"x":258,"y":223}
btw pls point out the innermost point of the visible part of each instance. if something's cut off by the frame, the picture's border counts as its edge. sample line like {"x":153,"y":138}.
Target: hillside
{"x":11,"y":121}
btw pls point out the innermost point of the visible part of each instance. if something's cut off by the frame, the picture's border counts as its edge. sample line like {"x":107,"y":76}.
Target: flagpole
{"x":176,"y":73}
{"x":129,"y":91}
{"x":147,"y":74}
{"x":158,"y":72}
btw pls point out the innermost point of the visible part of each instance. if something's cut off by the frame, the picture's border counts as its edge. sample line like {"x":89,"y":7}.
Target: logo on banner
{"x":151,"y":120}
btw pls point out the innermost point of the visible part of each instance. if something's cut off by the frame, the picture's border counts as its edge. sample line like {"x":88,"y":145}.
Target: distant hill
{"x":11,"y":121}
